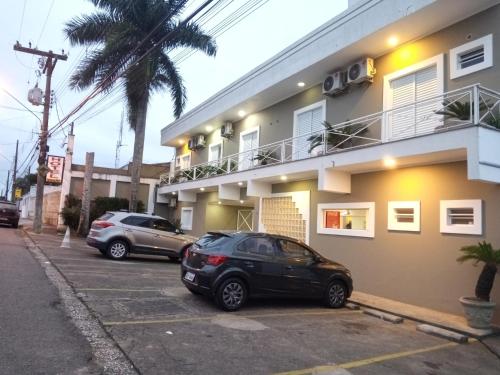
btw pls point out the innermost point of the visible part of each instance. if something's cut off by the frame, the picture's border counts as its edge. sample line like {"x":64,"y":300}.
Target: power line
{"x":19,"y":102}
{"x":22,"y":20}
{"x":45,"y":22}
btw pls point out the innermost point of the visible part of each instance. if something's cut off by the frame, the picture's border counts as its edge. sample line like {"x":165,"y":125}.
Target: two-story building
{"x":375,"y":139}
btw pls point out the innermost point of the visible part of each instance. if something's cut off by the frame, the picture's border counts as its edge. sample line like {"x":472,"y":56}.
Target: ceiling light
{"x":240,"y":183}
{"x":202,"y":189}
{"x":209,"y":128}
{"x":283,"y":178}
{"x":181,"y":141}
{"x":241,"y":113}
{"x":389,"y":162}
{"x":393,"y":41}
{"x":301,"y":84}
{"x":242,"y":202}
{"x":173,"y":193}
{"x":220,"y":202}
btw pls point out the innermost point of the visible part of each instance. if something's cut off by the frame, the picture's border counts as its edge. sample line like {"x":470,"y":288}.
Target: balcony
{"x":469,"y":106}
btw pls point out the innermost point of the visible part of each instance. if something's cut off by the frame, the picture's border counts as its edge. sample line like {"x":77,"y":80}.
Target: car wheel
{"x":231,"y":294}
{"x":336,"y":294}
{"x":117,"y":250}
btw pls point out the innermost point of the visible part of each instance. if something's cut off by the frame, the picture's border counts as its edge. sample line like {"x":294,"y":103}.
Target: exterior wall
{"x":123,"y":191}
{"x":99,"y":188}
{"x":276,"y":122}
{"x":413,"y":267}
{"x":222,"y":217}
{"x":51,"y":207}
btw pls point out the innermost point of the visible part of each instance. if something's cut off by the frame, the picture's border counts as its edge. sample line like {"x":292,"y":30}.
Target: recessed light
{"x":202,"y":189}
{"x":173,"y":193}
{"x":283,"y":178}
{"x":209,"y":128}
{"x":220,"y":202}
{"x":241,"y":113}
{"x":181,"y":141}
{"x":301,"y":84}
{"x":389,"y":162}
{"x":393,"y":41}
{"x":242,"y":201}
{"x":240,"y":183}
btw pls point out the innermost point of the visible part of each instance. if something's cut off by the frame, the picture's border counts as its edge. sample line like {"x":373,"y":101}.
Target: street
{"x":164,"y":329}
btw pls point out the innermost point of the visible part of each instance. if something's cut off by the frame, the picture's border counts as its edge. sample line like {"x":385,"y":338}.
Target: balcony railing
{"x":471,"y":105}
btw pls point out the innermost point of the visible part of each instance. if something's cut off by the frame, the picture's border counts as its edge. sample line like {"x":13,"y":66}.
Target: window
{"x":249,"y":142}
{"x":294,"y":250}
{"x":187,"y":218}
{"x":137,"y":221}
{"x":403,"y":215}
{"x":347,"y":219}
{"x":215,"y":152}
{"x":402,"y":89}
{"x":461,"y":216}
{"x":306,"y":121}
{"x":164,"y":225}
{"x":471,"y":57}
{"x":257,"y":245}
{"x":183,"y":161}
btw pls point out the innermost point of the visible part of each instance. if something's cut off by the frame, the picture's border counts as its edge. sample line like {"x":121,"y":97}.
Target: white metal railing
{"x":471,"y":105}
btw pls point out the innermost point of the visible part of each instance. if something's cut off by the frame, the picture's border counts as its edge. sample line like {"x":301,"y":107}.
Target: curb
{"x":106,"y":351}
{"x":443,"y":333}
{"x":384,"y":316}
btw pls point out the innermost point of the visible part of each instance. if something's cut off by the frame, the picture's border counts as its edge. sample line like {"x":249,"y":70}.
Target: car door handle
{"x":249,"y":264}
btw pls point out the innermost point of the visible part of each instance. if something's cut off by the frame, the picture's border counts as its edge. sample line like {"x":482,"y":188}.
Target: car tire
{"x":231,"y":294}
{"x":117,"y":250}
{"x":336,"y":294}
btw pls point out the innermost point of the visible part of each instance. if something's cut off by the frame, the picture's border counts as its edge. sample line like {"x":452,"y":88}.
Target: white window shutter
{"x":403,"y":94}
{"x":426,"y":83}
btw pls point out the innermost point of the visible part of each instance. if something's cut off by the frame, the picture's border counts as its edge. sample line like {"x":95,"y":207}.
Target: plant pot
{"x":477,"y":312}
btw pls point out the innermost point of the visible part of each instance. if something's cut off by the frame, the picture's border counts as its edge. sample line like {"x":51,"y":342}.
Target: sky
{"x":256,"y":38}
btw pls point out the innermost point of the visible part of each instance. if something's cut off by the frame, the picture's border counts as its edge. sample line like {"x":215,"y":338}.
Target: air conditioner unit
{"x":361,"y":71}
{"x":196,"y":142}
{"x":226,"y":131}
{"x":334,"y":83}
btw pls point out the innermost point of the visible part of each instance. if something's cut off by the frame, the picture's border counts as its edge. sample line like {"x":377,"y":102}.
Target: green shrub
{"x":71,"y":211}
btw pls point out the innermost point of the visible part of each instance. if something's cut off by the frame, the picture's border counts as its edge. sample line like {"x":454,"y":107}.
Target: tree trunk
{"x":140,"y":132}
{"x":485,"y":282}
{"x":83,"y":225}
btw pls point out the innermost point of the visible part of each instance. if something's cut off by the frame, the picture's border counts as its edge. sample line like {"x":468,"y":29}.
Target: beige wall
{"x":418,"y":268}
{"x":276,"y":122}
{"x":123,"y":191}
{"x":51,"y":207}
{"x":100,"y":188}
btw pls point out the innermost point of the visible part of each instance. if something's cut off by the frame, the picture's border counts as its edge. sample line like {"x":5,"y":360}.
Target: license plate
{"x":189,"y":276}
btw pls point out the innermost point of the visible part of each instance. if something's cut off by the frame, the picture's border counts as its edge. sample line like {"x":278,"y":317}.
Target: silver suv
{"x":116,"y":234}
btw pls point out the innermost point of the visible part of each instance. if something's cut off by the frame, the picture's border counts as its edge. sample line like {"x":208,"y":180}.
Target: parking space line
{"x":116,"y":290}
{"x":372,"y":360}
{"x":254,"y":316}
{"x":83,"y":273}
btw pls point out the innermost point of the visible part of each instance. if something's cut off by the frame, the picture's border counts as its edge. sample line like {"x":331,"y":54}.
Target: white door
{"x":306,"y":121}
{"x":249,"y":142}
{"x":414,"y":118}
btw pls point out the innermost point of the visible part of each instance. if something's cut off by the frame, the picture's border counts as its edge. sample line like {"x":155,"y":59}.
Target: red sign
{"x":332,"y":219}
{"x":55,"y":165}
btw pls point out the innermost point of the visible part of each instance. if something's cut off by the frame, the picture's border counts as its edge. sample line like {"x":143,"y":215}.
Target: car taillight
{"x":101,"y":224}
{"x":186,"y":253}
{"x":215,"y":260}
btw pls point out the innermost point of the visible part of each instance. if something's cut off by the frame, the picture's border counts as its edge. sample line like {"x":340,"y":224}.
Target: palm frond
{"x":89,"y":29}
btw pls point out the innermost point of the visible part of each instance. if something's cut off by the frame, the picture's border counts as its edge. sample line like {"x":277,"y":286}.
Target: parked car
{"x":9,"y":214}
{"x":117,"y":234}
{"x":230,"y":267}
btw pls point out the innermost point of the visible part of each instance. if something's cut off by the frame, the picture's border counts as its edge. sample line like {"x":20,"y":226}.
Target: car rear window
{"x":106,"y":216}
{"x":212,"y":240}
{"x":8,"y":206}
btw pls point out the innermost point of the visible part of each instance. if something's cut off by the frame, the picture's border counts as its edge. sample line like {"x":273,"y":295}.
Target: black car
{"x":9,"y":214}
{"x":230,"y":267}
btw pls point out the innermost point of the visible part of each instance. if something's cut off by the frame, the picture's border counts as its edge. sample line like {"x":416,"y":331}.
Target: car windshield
{"x":211,"y":240}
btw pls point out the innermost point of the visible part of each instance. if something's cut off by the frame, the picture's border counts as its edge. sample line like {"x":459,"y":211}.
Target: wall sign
{"x":55,"y":165}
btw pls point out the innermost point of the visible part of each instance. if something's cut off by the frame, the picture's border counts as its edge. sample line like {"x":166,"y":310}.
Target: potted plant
{"x":479,"y":309}
{"x":336,"y":136}
{"x":265,"y":157}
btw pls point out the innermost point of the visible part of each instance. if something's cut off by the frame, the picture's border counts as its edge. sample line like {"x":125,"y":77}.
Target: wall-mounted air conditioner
{"x":361,"y":71}
{"x":226,"y":130}
{"x":197,"y":142}
{"x":334,"y":83}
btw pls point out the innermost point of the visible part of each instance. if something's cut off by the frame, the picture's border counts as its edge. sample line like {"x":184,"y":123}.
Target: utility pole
{"x":50,"y":64}
{"x":14,"y":174}
{"x":7,"y":186}
{"x":83,"y":225}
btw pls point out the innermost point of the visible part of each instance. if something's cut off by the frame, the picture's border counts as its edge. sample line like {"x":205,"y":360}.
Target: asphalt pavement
{"x":37,"y":336}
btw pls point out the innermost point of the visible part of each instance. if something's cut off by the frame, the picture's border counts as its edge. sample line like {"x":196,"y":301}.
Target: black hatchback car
{"x":9,"y":213}
{"x":230,"y":267}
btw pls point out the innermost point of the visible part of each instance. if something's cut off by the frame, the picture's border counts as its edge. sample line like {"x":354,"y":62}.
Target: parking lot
{"x":164,"y":329}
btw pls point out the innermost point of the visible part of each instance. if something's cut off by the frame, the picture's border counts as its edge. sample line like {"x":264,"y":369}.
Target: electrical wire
{"x":19,"y":102}
{"x":45,"y":22}
{"x":22,"y":20}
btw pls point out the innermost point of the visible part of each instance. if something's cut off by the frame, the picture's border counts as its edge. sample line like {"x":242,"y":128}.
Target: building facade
{"x":374,"y":139}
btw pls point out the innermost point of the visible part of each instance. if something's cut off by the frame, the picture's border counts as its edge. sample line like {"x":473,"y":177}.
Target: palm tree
{"x":483,"y":252}
{"x":117,"y":27}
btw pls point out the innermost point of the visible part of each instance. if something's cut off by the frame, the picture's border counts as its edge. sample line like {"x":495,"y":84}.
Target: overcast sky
{"x":265,"y":32}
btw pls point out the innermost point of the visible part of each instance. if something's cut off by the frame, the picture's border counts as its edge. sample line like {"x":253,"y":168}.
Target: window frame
{"x":370,"y":219}
{"x":394,"y":225}
{"x":486,"y":42}
{"x":179,"y":158}
{"x":321,"y":104}
{"x":210,"y":152}
{"x":474,"y":229}
{"x":255,"y":129}
{"x":187,"y":226}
